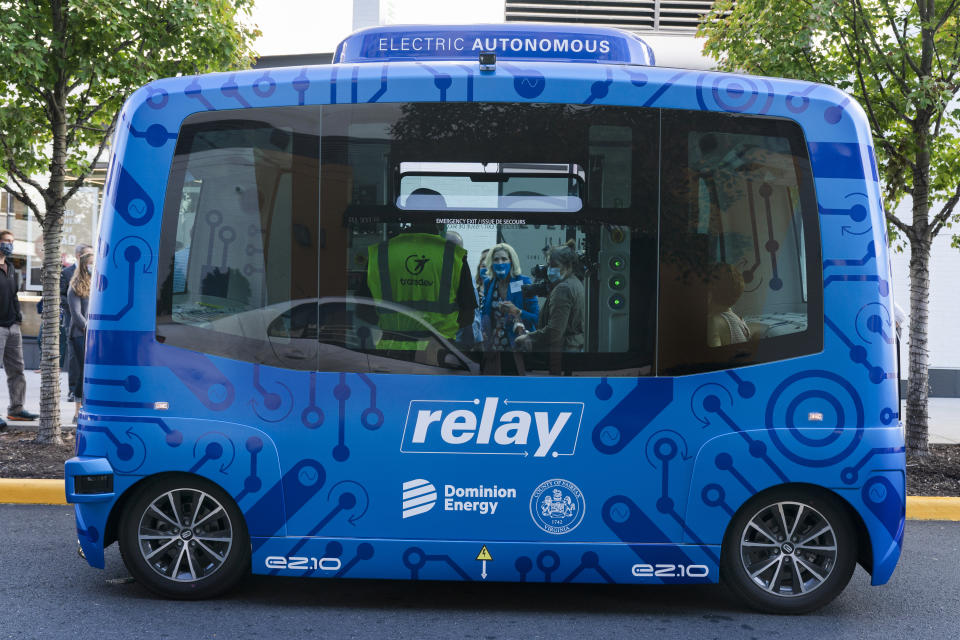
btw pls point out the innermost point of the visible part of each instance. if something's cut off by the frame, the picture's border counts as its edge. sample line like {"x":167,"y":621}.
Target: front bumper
{"x":92,"y":509}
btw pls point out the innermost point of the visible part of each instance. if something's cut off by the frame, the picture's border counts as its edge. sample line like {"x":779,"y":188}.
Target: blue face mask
{"x":502,"y":269}
{"x":482,"y":272}
{"x":90,"y":269}
{"x":553,"y":274}
{"x":6,"y":248}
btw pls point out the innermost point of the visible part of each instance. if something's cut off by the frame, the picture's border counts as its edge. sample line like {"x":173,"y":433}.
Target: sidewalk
{"x":31,"y":401}
{"x":944,"y":412}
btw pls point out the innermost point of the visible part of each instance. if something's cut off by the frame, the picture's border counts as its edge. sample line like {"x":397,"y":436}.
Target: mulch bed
{"x":20,"y":457}
{"x":937,"y":475}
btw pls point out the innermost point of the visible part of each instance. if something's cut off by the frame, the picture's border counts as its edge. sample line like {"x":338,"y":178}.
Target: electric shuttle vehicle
{"x":292,"y":366}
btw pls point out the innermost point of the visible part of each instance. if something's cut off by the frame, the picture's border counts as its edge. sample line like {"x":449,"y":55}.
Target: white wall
{"x":680,"y":52}
{"x":943,"y":332}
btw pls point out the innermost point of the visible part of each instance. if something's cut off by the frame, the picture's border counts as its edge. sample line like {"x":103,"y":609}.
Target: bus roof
{"x":514,"y":41}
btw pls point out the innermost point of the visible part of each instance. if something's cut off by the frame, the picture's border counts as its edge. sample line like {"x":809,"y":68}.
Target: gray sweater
{"x":78,"y":313}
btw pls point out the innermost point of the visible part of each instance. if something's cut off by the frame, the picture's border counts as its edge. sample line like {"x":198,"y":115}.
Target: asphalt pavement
{"x":47,"y":591}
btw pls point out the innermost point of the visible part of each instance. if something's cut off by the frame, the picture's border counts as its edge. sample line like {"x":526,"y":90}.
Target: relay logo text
{"x":492,"y":426}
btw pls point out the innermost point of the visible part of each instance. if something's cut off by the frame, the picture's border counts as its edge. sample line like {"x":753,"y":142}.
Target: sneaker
{"x":23,"y":416}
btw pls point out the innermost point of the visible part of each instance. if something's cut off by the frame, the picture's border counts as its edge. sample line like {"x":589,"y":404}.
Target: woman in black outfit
{"x":78,"y":296}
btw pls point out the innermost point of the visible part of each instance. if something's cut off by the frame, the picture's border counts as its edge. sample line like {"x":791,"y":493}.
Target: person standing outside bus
{"x":65,"y":276}
{"x":11,"y":341}
{"x":78,"y":297}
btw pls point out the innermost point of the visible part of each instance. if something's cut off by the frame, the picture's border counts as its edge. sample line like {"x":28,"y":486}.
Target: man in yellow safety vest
{"x":424,"y":272}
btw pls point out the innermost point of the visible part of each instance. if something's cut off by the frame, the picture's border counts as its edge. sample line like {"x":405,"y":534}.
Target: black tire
{"x":803,"y":574}
{"x":184,"y":561}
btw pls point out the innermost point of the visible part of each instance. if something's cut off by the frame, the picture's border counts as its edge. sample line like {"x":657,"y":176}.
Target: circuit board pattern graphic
{"x":662,"y":463}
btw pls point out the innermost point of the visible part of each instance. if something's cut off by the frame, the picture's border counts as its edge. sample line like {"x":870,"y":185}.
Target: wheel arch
{"x":116,"y":512}
{"x":861,"y":535}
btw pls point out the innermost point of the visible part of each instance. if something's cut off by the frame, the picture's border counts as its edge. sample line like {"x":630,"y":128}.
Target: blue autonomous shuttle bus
{"x":289,"y":372}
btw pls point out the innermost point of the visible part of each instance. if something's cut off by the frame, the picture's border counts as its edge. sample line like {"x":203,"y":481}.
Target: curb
{"x":35,"y":491}
{"x":933,"y":508}
{"x":31,"y":491}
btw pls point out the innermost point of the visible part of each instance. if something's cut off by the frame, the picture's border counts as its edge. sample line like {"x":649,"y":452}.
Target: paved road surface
{"x":46,"y":591}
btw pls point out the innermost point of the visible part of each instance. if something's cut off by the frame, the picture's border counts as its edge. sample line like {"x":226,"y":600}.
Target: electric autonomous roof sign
{"x":563,"y":43}
{"x":492,"y":426}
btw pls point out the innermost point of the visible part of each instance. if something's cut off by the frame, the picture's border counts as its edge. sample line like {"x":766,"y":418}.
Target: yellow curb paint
{"x":933,"y":508}
{"x":31,"y":491}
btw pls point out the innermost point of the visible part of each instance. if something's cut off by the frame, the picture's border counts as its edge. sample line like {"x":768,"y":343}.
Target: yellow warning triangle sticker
{"x":484,"y":554}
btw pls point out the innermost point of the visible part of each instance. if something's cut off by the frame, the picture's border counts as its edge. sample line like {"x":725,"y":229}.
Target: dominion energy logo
{"x":557,"y":506}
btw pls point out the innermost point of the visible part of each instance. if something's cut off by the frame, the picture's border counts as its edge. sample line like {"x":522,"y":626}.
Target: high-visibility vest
{"x":421,"y":272}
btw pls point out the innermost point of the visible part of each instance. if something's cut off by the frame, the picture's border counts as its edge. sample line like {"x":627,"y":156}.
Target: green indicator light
{"x":617,"y":263}
{"x":616,"y":302}
{"x":616,"y":282}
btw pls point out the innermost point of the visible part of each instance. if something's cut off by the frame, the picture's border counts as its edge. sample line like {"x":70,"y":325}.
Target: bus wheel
{"x":184,"y":537}
{"x":789,"y":551}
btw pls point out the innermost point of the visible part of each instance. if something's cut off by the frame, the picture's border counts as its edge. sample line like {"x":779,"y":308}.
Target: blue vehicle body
{"x":317,"y":461}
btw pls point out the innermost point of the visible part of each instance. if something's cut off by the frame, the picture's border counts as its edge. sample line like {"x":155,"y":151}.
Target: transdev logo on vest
{"x":492,"y":426}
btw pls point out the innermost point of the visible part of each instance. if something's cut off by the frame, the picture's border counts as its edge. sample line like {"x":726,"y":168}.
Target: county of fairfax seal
{"x":557,"y":506}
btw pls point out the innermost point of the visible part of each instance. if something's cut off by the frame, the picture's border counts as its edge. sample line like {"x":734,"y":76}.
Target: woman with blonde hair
{"x":78,"y":297}
{"x":505,"y":313}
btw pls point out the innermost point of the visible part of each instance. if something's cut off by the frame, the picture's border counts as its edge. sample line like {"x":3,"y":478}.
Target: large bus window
{"x":238,"y":251}
{"x":412,"y":195}
{"x":740,"y":271}
{"x":349,"y":238}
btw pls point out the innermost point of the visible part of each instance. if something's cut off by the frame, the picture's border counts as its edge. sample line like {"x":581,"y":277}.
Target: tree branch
{"x":947,"y":14}
{"x":871,"y":114}
{"x":892,"y":20}
{"x":853,"y":50}
{"x":902,"y":226}
{"x":858,"y":17}
{"x":943,"y":216}
{"x":82,"y":119}
{"x":23,"y":197}
{"x":80,"y":179}
{"x":954,"y":56}
{"x":12,"y":167}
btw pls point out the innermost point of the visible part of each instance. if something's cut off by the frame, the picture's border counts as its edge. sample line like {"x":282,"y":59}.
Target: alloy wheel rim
{"x":185,"y":535}
{"x":788,"y":549}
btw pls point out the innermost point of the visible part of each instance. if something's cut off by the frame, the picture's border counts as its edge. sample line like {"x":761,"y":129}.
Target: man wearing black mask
{"x":11,"y":342}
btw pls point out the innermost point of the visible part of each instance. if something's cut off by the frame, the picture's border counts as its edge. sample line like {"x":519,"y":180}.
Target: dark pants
{"x":64,"y":348}
{"x":74,"y":365}
{"x":76,"y":362}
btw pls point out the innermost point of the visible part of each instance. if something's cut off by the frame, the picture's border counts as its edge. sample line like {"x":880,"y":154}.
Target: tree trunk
{"x":50,"y":349}
{"x":918,"y":375}
{"x":49,"y":431}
